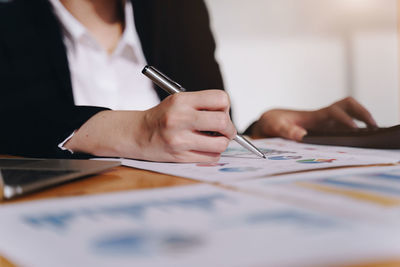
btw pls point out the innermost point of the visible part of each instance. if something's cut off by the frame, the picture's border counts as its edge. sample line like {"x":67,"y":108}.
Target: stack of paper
{"x":250,"y":218}
{"x":187,"y":226}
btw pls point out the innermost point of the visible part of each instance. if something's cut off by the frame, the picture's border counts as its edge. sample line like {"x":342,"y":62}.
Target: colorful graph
{"x":284,"y":157}
{"x":239,"y":169}
{"x":378,"y":188}
{"x":134,"y":211}
{"x":316,"y":161}
{"x":384,"y":189}
{"x":391,"y":176}
{"x":291,"y":217}
{"x":145,"y":243}
{"x":238,"y":151}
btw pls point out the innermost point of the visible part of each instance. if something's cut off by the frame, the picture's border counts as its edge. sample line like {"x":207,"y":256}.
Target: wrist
{"x":85,"y":139}
{"x":110,"y":134}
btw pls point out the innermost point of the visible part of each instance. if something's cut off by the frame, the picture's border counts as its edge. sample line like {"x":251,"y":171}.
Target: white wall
{"x":305,"y":54}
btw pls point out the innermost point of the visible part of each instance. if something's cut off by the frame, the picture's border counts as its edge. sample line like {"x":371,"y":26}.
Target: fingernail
{"x":300,"y":135}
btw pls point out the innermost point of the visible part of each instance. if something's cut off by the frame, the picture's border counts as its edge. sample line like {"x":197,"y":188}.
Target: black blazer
{"x":37,"y":110}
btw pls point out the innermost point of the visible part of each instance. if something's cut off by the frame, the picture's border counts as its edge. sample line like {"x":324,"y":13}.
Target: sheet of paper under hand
{"x":283,"y":156}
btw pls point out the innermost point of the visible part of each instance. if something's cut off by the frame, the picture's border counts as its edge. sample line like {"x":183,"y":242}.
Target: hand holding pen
{"x":173,"y":88}
{"x":175,"y":130}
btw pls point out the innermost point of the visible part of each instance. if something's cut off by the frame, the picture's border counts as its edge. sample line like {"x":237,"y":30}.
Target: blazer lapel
{"x":40,"y":23}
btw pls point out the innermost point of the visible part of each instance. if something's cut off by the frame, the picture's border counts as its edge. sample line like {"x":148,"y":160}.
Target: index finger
{"x":212,"y":100}
{"x":356,"y":110}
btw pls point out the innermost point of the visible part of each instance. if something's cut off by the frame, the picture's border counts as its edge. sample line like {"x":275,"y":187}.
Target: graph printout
{"x":373,"y":191}
{"x":283,"y":156}
{"x":196,"y":225}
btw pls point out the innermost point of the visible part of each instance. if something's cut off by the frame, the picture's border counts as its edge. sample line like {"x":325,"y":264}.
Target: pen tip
{"x":265,"y":157}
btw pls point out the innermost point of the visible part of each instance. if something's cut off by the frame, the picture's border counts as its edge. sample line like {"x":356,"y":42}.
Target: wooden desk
{"x":117,"y":179}
{"x":120,"y":179}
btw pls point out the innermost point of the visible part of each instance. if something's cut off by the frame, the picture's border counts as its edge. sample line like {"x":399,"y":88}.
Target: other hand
{"x":293,"y":124}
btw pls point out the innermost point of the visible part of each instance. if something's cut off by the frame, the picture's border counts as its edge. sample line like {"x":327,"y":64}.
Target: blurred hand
{"x":293,"y":125}
{"x":172,"y":131}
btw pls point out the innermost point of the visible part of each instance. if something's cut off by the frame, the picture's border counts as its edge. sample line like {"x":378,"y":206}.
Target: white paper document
{"x":283,"y":156}
{"x":372,"y":193}
{"x":185,"y":226}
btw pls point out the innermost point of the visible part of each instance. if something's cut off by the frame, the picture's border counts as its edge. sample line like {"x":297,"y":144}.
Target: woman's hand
{"x":172,"y":131}
{"x":293,"y":125}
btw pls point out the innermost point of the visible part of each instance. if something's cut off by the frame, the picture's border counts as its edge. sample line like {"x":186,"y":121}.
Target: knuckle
{"x":350,"y":100}
{"x":222,"y":98}
{"x":325,"y":110}
{"x":275,"y":130}
{"x":233,"y":133}
{"x":173,"y":142}
{"x":278,"y":127}
{"x":212,"y":158}
{"x":174,"y":119}
{"x":177,"y":99}
{"x":332,"y":111}
{"x":222,"y":145}
{"x":222,"y":121}
{"x":179,"y":157}
{"x":168,"y":120}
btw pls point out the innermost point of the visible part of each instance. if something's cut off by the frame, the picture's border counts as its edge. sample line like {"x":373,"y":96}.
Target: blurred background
{"x":306,"y":54}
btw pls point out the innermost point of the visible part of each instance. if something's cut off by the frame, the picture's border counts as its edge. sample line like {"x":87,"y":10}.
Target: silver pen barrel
{"x":172,"y":87}
{"x":249,"y":146}
{"x":162,"y":80}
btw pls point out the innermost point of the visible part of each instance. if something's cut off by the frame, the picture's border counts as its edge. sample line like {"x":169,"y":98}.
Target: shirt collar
{"x":129,"y":40}
{"x":129,"y":35}
{"x":75,"y":30}
{"x":70,"y":24}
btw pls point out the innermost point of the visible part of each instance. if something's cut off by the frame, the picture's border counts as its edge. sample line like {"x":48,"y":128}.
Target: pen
{"x":173,"y":87}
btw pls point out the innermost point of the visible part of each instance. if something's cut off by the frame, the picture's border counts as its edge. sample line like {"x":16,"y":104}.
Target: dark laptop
{"x":21,"y":176}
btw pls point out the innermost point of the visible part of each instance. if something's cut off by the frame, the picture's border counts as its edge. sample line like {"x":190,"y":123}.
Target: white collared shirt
{"x":99,"y":79}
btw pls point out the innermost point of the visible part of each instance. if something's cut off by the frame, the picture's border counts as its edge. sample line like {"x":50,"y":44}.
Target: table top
{"x":122,"y":179}
{"x":117,"y":179}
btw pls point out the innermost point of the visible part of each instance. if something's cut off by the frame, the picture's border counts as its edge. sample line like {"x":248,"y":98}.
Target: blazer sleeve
{"x":176,"y":38}
{"x":37,"y":111}
{"x":34,"y":131}
{"x":32,"y":121}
